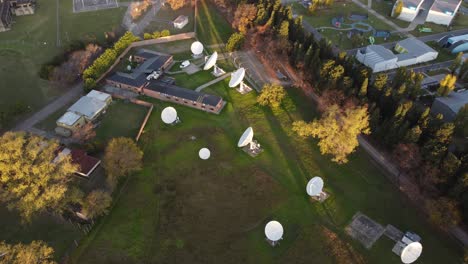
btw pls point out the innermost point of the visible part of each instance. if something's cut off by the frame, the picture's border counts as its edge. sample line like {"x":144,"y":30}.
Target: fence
{"x":147,"y":42}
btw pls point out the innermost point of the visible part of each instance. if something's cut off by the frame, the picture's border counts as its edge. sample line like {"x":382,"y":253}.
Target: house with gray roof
{"x":407,"y":52}
{"x":450,"y":105}
{"x":443,"y":12}
{"x":8,"y":8}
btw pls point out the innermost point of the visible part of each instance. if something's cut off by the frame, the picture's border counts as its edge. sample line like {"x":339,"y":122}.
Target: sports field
{"x":180,"y":209}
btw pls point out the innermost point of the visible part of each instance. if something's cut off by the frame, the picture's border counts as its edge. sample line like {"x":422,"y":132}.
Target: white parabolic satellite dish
{"x":211,"y":61}
{"x":169,"y":115}
{"x":196,"y":48}
{"x":274,"y":231}
{"x":246,"y":138}
{"x":411,"y":252}
{"x":314,"y":186}
{"x":237,"y":77}
{"x":204,"y":153}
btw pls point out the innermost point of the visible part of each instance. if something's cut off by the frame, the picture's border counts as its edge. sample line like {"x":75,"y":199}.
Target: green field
{"x":323,"y":18}
{"x":32,"y":42}
{"x":384,"y":7}
{"x":180,"y":209}
{"x":212,"y":27}
{"x":165,"y":17}
{"x":122,"y":119}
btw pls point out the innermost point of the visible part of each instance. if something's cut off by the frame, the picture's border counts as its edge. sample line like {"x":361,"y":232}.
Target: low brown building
{"x":162,"y":88}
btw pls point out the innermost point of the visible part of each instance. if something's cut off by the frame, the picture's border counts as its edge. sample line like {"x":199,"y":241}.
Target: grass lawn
{"x":459,"y":22}
{"x":179,"y":49}
{"x":194,"y":80}
{"x":54,"y":231}
{"x":384,"y":7}
{"x":165,"y":17}
{"x":323,"y":18}
{"x":444,"y":54}
{"x":122,"y":119}
{"x":212,"y":27}
{"x":180,"y":209}
{"x":32,"y":42}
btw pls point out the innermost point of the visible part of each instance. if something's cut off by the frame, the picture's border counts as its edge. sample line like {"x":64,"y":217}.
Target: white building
{"x":443,"y":11}
{"x":409,"y":52}
{"x":410,"y":9}
{"x":180,"y":22}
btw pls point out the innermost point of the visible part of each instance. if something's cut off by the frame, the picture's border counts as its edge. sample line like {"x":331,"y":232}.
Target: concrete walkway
{"x":28,"y":124}
{"x":220,"y":78}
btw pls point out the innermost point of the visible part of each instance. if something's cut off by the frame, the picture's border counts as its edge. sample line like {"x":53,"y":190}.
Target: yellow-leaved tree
{"x":37,"y":252}
{"x":272,"y":94}
{"x":337,"y":130}
{"x":32,"y":176}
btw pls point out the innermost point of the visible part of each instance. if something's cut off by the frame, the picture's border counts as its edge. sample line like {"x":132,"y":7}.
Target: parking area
{"x":93,"y":5}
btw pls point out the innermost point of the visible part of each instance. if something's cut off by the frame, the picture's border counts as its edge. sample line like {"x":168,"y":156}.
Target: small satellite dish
{"x":274,"y":231}
{"x":246,"y":137}
{"x":169,"y":115}
{"x":314,"y":186}
{"x":196,"y":48}
{"x":129,"y":67}
{"x":211,"y":61}
{"x":204,"y":153}
{"x":237,"y":77}
{"x":411,"y":252}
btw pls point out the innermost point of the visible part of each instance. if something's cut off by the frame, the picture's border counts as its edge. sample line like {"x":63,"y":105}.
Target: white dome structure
{"x":204,"y":153}
{"x":169,"y":115}
{"x":196,"y":48}
{"x":411,"y":252}
{"x":274,"y":231}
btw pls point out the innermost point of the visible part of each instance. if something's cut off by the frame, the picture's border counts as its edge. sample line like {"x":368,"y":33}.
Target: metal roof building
{"x":443,"y":11}
{"x":410,"y":9}
{"x":450,"y":105}
{"x":409,"y":52}
{"x":88,"y":107}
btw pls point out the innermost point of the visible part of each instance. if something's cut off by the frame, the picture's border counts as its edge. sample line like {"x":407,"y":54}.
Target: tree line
{"x":353,"y":101}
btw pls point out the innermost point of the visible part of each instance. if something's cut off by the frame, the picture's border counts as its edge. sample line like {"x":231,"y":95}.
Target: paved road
{"x":68,"y":97}
{"x":425,"y":68}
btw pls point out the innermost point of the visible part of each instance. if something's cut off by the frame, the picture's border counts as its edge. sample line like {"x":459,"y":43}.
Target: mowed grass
{"x":122,"y":119}
{"x":166,"y":16}
{"x":32,"y":42}
{"x":323,"y":18}
{"x":212,"y":27}
{"x":180,"y":209}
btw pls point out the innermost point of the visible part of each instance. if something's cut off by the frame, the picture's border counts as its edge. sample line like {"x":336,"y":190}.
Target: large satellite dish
{"x":274,"y":231}
{"x":169,"y":115}
{"x":211,"y":61}
{"x":196,"y":48}
{"x":204,"y":153}
{"x":411,"y":252}
{"x":246,"y":138}
{"x":314,"y":186}
{"x":237,"y":77}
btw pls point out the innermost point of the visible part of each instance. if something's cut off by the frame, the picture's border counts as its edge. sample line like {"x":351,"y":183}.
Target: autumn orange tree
{"x":37,"y":252}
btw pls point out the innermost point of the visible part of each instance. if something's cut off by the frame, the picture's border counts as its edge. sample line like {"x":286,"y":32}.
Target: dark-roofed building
{"x":86,"y":164}
{"x":171,"y":93}
{"x":162,"y":88}
{"x":8,"y":8}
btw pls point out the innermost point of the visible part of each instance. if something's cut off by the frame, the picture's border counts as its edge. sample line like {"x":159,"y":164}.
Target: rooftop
{"x":455,"y":100}
{"x":447,"y":7}
{"x":87,"y":106}
{"x":172,"y":90}
{"x":412,"y":46}
{"x":99,"y":95}
{"x":412,"y":4}
{"x":181,"y":19}
{"x":69,"y":118}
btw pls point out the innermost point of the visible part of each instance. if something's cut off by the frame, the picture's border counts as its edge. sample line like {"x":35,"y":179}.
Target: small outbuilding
{"x":180,"y":22}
